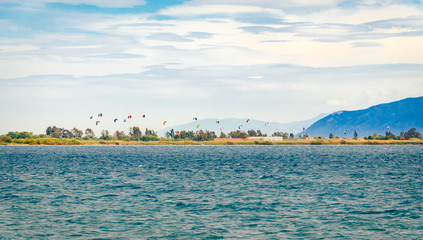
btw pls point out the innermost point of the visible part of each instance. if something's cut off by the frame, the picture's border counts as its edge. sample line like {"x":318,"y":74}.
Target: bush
{"x":238,"y":134}
{"x":319,"y":142}
{"x":263,"y":143}
{"x":147,"y":138}
{"x":6,"y":139}
{"x":266,"y":143}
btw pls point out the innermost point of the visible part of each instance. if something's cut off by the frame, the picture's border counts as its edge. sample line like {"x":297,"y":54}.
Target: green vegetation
{"x":191,"y":135}
{"x":61,"y":136}
{"x":285,"y":135}
{"x":412,"y":133}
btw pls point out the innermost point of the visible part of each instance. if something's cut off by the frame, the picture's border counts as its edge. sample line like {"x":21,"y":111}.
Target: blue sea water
{"x":211,"y":192}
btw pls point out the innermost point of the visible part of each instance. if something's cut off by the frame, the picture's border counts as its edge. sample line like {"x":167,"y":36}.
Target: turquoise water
{"x":211,"y":192}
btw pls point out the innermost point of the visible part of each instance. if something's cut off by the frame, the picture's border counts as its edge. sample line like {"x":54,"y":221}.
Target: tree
{"x":412,"y":133}
{"x":200,"y":136}
{"x":13,"y":135}
{"x":149,"y":132}
{"x":304,"y":136}
{"x":66,"y":133}
{"x":259,"y":133}
{"x":56,"y":132}
{"x":355,"y":134}
{"x":49,"y":131}
{"x":222,"y":135}
{"x":277,"y":134}
{"x":180,"y":135}
{"x":77,"y":133}
{"x":135,"y":133}
{"x":105,"y":135}
{"x":331,"y":136}
{"x":89,"y":133}
{"x":390,"y":135}
{"x":291,"y":136}
{"x":238,"y":134}
{"x":210,"y":135}
{"x":19,"y":135}
{"x":252,"y":133}
{"x":119,"y":135}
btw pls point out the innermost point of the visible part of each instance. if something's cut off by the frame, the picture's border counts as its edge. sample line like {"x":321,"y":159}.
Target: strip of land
{"x":216,"y":141}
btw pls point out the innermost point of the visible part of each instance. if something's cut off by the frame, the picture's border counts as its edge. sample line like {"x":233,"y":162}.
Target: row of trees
{"x":191,"y":135}
{"x":210,"y":135}
{"x":136,"y":134}
{"x":412,"y":133}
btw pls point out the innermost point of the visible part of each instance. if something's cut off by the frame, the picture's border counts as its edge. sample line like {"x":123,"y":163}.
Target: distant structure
{"x":266,"y":138}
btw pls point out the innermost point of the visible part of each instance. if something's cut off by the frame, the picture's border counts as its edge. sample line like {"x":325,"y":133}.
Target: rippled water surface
{"x":211,"y":192}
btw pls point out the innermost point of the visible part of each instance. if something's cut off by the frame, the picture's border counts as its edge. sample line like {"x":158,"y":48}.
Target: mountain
{"x":399,"y":116}
{"x":234,"y":124}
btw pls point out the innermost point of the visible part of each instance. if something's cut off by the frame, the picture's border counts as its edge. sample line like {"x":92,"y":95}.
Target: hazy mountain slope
{"x":400,"y":116}
{"x":233,"y":124}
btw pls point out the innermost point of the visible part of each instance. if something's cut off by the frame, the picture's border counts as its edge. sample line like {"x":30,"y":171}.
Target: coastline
{"x":217,"y":141}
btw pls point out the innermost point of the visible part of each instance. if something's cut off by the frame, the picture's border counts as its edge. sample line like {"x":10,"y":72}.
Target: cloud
{"x":170,"y":37}
{"x":355,"y":15}
{"x":337,"y":102}
{"x":200,"y":35}
{"x":119,"y":55}
{"x":365,"y":44}
{"x":224,"y":10}
{"x":99,"y":3}
{"x":270,"y":4}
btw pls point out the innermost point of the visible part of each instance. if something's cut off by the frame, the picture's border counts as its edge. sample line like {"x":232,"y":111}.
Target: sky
{"x":62,"y":61}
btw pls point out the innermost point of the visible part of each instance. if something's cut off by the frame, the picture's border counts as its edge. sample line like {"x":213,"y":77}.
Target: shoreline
{"x":215,"y":142}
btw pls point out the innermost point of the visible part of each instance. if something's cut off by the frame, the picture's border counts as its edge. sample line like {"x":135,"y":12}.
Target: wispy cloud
{"x":365,"y":44}
{"x":100,"y":3}
{"x":169,"y":37}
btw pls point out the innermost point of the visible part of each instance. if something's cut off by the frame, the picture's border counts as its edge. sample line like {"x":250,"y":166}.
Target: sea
{"x":211,"y":192}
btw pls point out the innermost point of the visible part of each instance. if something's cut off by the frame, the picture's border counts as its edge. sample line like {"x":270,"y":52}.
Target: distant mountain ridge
{"x":398,"y":116}
{"x":233,"y":124}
